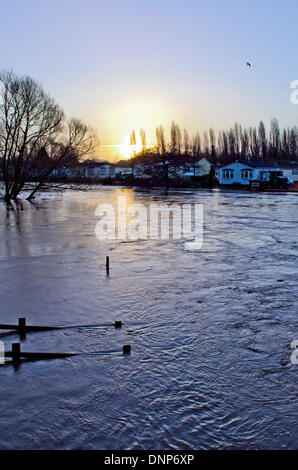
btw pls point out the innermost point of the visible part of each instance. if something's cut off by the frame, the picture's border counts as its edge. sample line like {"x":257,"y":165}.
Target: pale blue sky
{"x":138,"y":63}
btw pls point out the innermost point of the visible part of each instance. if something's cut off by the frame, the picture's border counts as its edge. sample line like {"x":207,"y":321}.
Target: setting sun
{"x":127,"y":150}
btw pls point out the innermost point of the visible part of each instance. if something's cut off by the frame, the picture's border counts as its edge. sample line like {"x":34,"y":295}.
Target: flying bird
{"x":248,"y":64}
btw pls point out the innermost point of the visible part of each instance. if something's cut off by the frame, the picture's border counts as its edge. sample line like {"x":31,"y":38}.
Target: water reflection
{"x":210,"y":331}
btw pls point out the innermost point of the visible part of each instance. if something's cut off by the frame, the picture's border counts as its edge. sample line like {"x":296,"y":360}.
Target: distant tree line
{"x":237,"y":142}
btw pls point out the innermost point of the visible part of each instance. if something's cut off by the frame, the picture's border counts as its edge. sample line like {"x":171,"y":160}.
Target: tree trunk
{"x":32,"y":194}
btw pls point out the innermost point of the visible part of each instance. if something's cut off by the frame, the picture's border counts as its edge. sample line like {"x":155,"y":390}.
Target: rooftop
{"x":254,"y":164}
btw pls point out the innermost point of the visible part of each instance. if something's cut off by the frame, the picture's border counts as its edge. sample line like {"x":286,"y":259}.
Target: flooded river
{"x":210,"y":330}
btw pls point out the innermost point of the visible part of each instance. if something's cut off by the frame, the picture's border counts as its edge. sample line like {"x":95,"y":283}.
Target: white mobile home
{"x":88,"y":170}
{"x":290,"y":171}
{"x":98,"y":170}
{"x":201,"y":167}
{"x":243,"y":172}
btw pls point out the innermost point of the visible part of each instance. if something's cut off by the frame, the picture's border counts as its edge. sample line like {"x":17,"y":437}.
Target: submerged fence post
{"x":126,"y":349}
{"x":22,"y":328}
{"x":16,"y":352}
{"x":22,"y":324}
{"x":108,"y":265}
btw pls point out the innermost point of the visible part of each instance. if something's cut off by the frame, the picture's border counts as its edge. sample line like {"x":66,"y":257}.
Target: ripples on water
{"x":209,"y":330}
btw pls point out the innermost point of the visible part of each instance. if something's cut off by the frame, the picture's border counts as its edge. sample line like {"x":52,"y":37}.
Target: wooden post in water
{"x":16,"y":352}
{"x":22,"y":324}
{"x":22,"y":328}
{"x":108,"y":265}
{"x":126,"y":349}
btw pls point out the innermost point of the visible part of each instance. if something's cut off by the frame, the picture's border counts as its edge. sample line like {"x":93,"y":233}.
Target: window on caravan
{"x":228,"y":174}
{"x":246,"y":174}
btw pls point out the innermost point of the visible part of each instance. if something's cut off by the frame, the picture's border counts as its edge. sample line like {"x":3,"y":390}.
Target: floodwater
{"x":210,"y":330}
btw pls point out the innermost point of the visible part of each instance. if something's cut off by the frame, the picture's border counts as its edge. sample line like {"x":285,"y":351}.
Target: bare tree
{"x":293,"y":142}
{"x":176,"y":139}
{"x":143,"y":140}
{"x":263,"y":140}
{"x":245,"y":145}
{"x":133,"y":141}
{"x":225,"y":144}
{"x":195,"y":149}
{"x":30,"y":121}
{"x":220,"y":145}
{"x":161,"y":140}
{"x":255,"y":144}
{"x":237,"y":133}
{"x":212,"y":143}
{"x":76,"y":141}
{"x":275,"y":143}
{"x":186,"y":142}
{"x":197,"y":144}
{"x":231,"y":141}
{"x":206,"y":143}
{"x":162,"y":154}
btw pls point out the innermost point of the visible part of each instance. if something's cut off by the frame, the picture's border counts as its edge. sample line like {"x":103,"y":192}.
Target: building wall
{"x":290,"y":173}
{"x":98,"y":172}
{"x":253,"y":174}
{"x":203,"y":167}
{"x":102,"y":171}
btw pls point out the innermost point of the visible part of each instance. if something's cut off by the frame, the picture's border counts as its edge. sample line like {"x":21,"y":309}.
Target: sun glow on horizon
{"x":127,"y":150}
{"x":135,"y":112}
